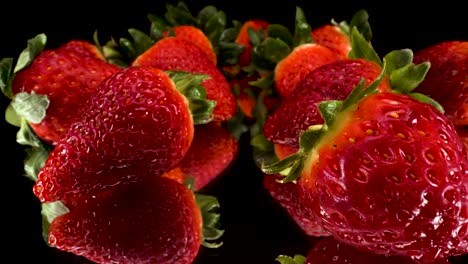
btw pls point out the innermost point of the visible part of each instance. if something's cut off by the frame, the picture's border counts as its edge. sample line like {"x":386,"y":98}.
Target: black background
{"x":257,"y":230}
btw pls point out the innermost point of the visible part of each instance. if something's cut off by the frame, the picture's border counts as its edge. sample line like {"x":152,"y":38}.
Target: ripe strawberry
{"x":196,"y":36}
{"x":331,"y":251}
{"x":332,"y":37}
{"x":446,"y":81}
{"x":212,"y":151}
{"x":333,"y":81}
{"x":67,"y":76}
{"x":305,"y":58}
{"x":137,"y":122}
{"x":245,"y":58}
{"x":286,"y":194}
{"x":130,"y":225}
{"x":177,"y":54}
{"x":387,"y":174}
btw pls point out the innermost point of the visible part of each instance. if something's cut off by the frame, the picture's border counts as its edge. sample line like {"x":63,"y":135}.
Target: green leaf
{"x":272,"y":50}
{"x":360,"y":20}
{"x":6,"y":65}
{"x":209,"y":207}
{"x":34,"y":47}
{"x":35,"y":160}
{"x":407,"y":78}
{"x":214,"y":27}
{"x":31,"y":106}
{"x":141,"y":41}
{"x":49,"y":212}
{"x":12,"y":117}
{"x":302,"y":30}
{"x":297,"y":259}
{"x":236,"y":125}
{"x":190,"y":86}
{"x":309,"y":138}
{"x":27,"y":136}
{"x":329,"y":110}
{"x":190,"y":183}
{"x":361,"y":48}
{"x":281,"y":32}
{"x":180,"y":15}
{"x":265,"y":82}
{"x":428,"y":100}
{"x":283,"y":165}
{"x":398,"y":59}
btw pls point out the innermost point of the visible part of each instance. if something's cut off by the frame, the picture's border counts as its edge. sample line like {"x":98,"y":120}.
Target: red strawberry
{"x":386,"y":174}
{"x":463,"y":134}
{"x":177,"y":54}
{"x":333,"y":81}
{"x":304,"y":58}
{"x":68,"y":76}
{"x":243,"y":38}
{"x":212,"y":151}
{"x":283,"y":151}
{"x":286,"y":194}
{"x":331,"y":251}
{"x":447,"y":81}
{"x":137,"y":122}
{"x":130,"y":225}
{"x":196,"y":36}
{"x":332,"y":37}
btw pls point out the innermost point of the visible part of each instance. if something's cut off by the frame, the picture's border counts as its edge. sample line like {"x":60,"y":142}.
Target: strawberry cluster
{"x":366,"y":152}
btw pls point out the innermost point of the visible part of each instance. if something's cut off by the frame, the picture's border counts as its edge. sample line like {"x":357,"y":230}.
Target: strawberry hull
{"x":391,"y":179}
{"x":131,"y":225}
{"x":137,"y":123}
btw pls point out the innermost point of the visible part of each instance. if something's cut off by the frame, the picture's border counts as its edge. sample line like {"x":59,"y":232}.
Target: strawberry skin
{"x":68,"y":76}
{"x":245,"y":58}
{"x":177,"y":54}
{"x":390,"y":178}
{"x":137,"y":122}
{"x":130,"y":225}
{"x":213,"y":149}
{"x":446,"y":81}
{"x":330,"y":251}
{"x":286,"y":194}
{"x":196,"y":36}
{"x":333,"y":38}
{"x":333,"y":81}
{"x":305,"y":58}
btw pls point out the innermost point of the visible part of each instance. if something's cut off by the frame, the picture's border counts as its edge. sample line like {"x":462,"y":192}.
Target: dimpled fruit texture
{"x":332,"y":37}
{"x":392,"y":180}
{"x":68,"y":79}
{"x":305,"y":58}
{"x":153,"y":221}
{"x":176,"y":54}
{"x":286,"y":194}
{"x":333,"y":81}
{"x":137,"y":123}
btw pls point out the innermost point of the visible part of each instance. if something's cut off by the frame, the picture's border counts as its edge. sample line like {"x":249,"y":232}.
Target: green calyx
{"x":360,"y":20}
{"x":209,"y":207}
{"x":49,"y":212}
{"x":190,"y":86}
{"x":291,"y":167}
{"x":297,"y":259}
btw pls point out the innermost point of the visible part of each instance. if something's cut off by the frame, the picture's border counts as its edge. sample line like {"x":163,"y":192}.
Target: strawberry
{"x":212,"y":151}
{"x":137,"y":122}
{"x":130,"y":225}
{"x":386,"y":173}
{"x":305,"y":58}
{"x":330,"y":251}
{"x":333,"y":81}
{"x":286,"y":195}
{"x":194,"y":35}
{"x":332,"y":37}
{"x":446,"y":81}
{"x":256,"y":25}
{"x":59,"y":81}
{"x":177,"y":54}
